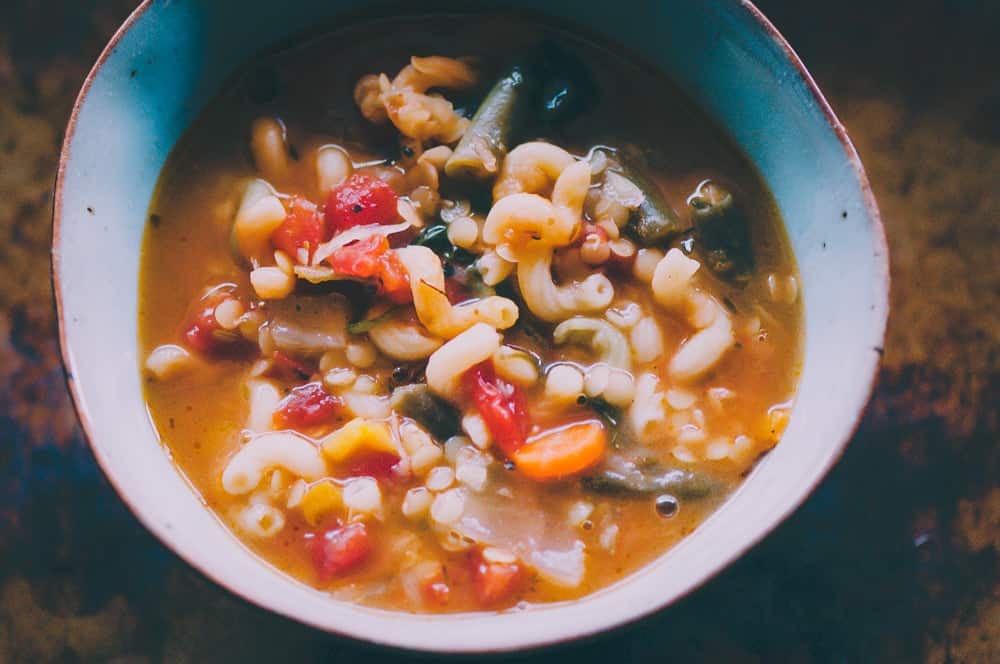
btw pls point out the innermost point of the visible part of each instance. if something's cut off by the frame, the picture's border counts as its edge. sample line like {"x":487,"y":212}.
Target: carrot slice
{"x":562,"y":452}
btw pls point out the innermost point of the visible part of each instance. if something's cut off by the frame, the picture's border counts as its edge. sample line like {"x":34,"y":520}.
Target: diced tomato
{"x":284,"y":366}
{"x":373,"y":464}
{"x":501,"y":405}
{"x":204,"y":334}
{"x":360,"y":201}
{"x":339,"y":550}
{"x":306,"y":406}
{"x":304,"y":227}
{"x":496,"y":582}
{"x":395,"y":280}
{"x":361,"y":258}
{"x":371,"y":258}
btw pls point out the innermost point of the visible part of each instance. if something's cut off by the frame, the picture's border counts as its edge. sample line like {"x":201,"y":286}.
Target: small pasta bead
{"x":645,"y":264}
{"x":563,"y":383}
{"x":262,"y":520}
{"x":436,"y":156}
{"x":647,"y":340}
{"x":516,"y":366}
{"x":609,"y":538}
{"x":717,"y":449}
{"x":783,"y":290}
{"x":680,"y":399}
{"x":474,"y":426}
{"x":270,"y":283}
{"x":416,"y":502}
{"x":579,"y":512}
{"x":447,"y":507}
{"x":596,"y":380}
{"x":338,"y":378}
{"x":718,"y":395}
{"x":595,"y":250}
{"x":622,"y":249}
{"x":440,"y":478}
{"x":168,"y":360}
{"x":413,"y":437}
{"x":362,"y":495}
{"x":463,"y":232}
{"x":472,"y":475}
{"x":691,"y":435}
{"x":296,"y":493}
{"x":492,"y":268}
{"x":361,"y":354}
{"x":333,"y":166}
{"x":228,"y":313}
{"x":743,"y":450}
{"x":366,"y":385}
{"x":620,"y":390}
{"x":425,"y":458}
{"x":624,"y":316}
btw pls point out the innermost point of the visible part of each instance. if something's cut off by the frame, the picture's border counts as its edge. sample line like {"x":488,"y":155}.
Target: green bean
{"x":654,"y":221}
{"x":722,"y":232}
{"x":482,"y":149}
{"x":435,"y":414}
{"x":685,"y":484}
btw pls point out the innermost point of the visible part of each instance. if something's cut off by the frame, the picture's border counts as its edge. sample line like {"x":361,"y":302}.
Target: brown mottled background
{"x":895,"y":558}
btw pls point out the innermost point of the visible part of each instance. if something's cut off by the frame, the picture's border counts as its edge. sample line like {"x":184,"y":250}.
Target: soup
{"x":463,"y":313}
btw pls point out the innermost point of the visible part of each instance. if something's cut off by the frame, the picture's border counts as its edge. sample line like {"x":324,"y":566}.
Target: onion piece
{"x":327,"y":249}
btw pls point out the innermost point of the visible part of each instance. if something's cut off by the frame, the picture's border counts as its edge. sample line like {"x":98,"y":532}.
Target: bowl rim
{"x":882,"y":290}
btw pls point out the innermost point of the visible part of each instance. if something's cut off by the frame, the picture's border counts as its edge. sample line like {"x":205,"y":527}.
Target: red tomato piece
{"x":496,"y":582}
{"x":203,"y":333}
{"x":371,"y":258}
{"x":284,"y":366}
{"x":373,"y":464}
{"x":304,"y":227}
{"x":394,"y":279}
{"x":360,"y":259}
{"x":306,"y":406}
{"x":360,"y":201}
{"x":501,"y":405}
{"x":339,"y":550}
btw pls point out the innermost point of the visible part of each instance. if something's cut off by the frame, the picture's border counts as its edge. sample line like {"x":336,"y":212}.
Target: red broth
{"x":471,"y":404}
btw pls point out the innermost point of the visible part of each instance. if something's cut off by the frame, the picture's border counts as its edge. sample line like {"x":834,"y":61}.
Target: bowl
{"x":165,"y":63}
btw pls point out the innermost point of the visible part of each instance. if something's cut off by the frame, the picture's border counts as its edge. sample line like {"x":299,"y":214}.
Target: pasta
{"x":446,"y":364}
{"x":442,"y":365}
{"x":279,"y":449}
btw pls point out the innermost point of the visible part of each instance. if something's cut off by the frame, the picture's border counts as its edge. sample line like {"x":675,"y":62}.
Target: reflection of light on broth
{"x":718,"y":424}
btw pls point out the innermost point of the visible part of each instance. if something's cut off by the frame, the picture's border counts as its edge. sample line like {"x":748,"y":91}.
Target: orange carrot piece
{"x":562,"y":452}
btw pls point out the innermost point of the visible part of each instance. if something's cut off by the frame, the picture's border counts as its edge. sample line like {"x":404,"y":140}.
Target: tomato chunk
{"x":496,"y":582}
{"x":283,"y":366}
{"x":360,"y":201}
{"x":339,"y":550}
{"x":373,"y":464}
{"x":501,"y":405}
{"x":371,"y":258}
{"x":303,"y":228}
{"x":306,"y":406}
{"x":203,"y":333}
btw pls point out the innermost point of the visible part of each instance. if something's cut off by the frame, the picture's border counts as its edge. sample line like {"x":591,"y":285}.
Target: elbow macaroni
{"x":448,"y":363}
{"x":556,"y":303}
{"x":439,"y":316}
{"x":279,"y":449}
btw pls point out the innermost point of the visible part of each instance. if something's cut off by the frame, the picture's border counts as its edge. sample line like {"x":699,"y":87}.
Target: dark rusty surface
{"x":895,"y":558}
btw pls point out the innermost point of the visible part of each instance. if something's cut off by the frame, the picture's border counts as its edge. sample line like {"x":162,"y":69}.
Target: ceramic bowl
{"x":166,"y":62}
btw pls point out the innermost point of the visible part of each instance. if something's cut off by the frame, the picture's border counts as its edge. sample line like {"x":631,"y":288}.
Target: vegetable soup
{"x":460,"y":313}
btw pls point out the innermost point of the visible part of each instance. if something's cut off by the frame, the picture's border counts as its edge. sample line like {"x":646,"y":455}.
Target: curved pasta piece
{"x":531,"y":168}
{"x":403,"y":340}
{"x":269,"y":146}
{"x":520,"y":219}
{"x":557,"y":303}
{"x":405,"y":102}
{"x":259,"y":215}
{"x":673,"y":290}
{"x":447,"y":364}
{"x":277,"y":449}
{"x":604,"y":339}
{"x":438,"y":315}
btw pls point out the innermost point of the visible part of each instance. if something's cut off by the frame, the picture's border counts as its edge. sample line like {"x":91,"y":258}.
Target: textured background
{"x":895,"y":558}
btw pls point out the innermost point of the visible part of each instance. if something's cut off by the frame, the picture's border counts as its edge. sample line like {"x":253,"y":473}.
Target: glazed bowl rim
{"x":820,"y":472}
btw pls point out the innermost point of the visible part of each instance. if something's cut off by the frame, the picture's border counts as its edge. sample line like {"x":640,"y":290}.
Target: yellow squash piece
{"x":358,"y":435}
{"x":320,"y":501}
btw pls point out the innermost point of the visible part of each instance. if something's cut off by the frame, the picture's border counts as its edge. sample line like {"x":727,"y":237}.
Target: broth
{"x":651,"y":415}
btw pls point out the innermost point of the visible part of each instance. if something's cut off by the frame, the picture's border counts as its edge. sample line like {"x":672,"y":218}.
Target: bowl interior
{"x":167,"y":62}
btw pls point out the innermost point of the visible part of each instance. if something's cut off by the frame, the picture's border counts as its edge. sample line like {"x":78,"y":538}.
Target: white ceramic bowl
{"x":167,"y":60}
